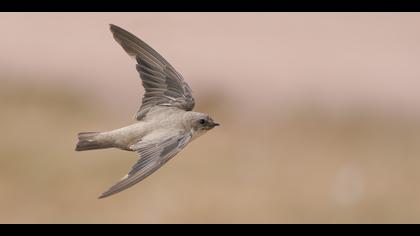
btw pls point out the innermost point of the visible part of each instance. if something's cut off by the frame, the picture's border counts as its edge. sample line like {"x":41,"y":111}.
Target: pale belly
{"x":126,"y":136}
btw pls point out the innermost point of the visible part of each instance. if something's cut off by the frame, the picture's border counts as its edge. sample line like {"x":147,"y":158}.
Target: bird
{"x":165,"y":122}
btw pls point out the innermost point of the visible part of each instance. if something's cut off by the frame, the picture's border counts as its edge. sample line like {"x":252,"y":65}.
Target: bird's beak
{"x":211,"y":124}
{"x":215,"y":124}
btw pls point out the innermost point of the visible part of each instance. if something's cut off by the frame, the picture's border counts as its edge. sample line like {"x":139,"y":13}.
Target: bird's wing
{"x":153,"y":154}
{"x":162,"y":83}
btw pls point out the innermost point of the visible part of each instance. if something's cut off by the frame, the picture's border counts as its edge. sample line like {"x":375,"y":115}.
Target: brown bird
{"x":165,"y":121}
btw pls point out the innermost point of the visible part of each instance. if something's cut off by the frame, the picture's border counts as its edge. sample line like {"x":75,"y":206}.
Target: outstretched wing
{"x":153,"y":154}
{"x":162,"y":83}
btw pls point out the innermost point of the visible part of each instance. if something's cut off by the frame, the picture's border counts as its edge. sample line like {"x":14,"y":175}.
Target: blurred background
{"x":319,"y":118}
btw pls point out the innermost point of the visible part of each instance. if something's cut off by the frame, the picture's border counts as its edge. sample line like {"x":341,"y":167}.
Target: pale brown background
{"x":319,"y":113}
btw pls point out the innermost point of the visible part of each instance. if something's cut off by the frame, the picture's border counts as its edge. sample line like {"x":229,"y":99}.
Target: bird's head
{"x":205,"y":123}
{"x":200,"y":123}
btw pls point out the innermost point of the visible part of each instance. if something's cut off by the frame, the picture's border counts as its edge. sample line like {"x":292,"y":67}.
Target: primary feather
{"x":162,"y":83}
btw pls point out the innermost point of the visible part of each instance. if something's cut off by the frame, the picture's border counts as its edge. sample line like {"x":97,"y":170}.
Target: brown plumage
{"x":165,"y":121}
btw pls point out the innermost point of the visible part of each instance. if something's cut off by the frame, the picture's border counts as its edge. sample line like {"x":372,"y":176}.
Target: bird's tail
{"x":90,"y":141}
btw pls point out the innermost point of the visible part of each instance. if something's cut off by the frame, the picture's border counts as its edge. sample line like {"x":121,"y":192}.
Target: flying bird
{"x":165,"y":121}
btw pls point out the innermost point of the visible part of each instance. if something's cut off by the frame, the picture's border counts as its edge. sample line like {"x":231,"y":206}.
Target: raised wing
{"x":153,"y":154}
{"x":162,"y":83}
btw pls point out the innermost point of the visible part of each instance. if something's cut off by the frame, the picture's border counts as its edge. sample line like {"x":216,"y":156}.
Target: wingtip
{"x":112,"y":27}
{"x":103,"y":195}
{"x":116,"y":32}
{"x":107,"y":194}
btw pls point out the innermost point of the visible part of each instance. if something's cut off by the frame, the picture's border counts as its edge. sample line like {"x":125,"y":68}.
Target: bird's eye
{"x":202,"y":121}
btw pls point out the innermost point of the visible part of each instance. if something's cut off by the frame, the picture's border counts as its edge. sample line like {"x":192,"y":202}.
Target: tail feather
{"x":89,"y":141}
